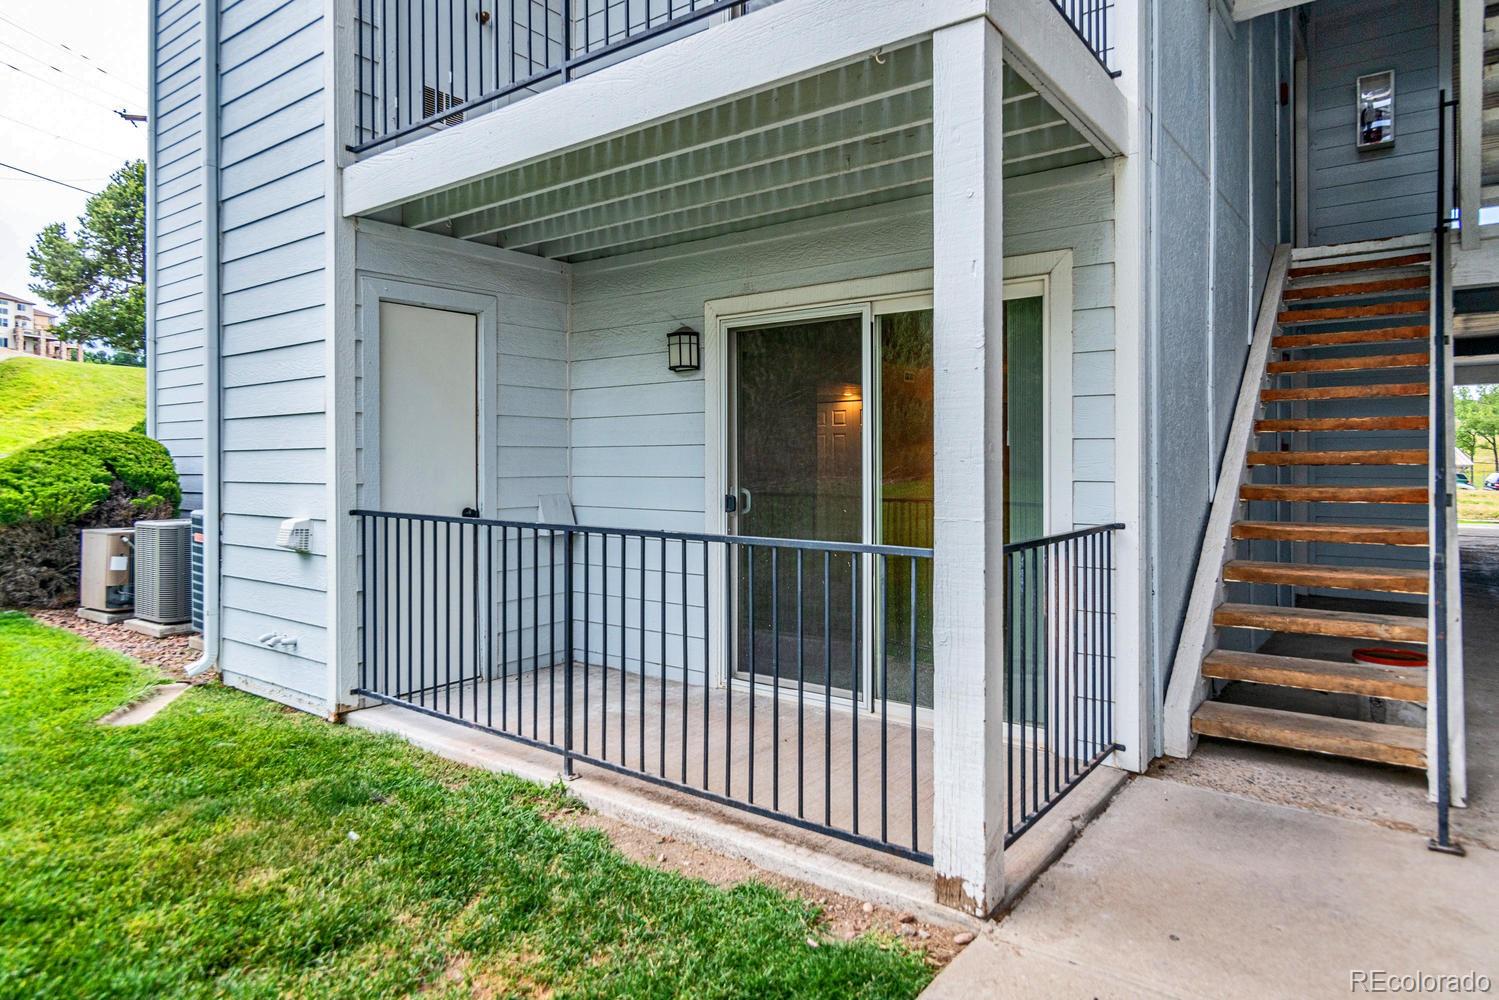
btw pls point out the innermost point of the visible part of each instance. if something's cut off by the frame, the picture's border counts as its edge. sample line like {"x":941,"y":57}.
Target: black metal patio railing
{"x":599,"y":645}
{"x":1059,"y":668}
{"x":425,"y":64}
{"x":747,"y":671}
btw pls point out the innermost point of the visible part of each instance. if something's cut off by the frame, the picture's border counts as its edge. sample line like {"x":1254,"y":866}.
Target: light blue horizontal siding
{"x":636,"y":429}
{"x":273,"y":253}
{"x":176,"y":240}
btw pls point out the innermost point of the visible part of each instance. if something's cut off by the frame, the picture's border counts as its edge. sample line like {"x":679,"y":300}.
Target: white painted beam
{"x":1042,"y":47}
{"x":879,"y":149}
{"x":968,"y":775}
{"x":1470,"y":118}
{"x":569,"y":194}
{"x":790,"y":39}
{"x":779,"y":117}
{"x":1480,"y":265}
{"x":897,"y":174}
{"x":1244,"y":10}
{"x":1135,"y":704}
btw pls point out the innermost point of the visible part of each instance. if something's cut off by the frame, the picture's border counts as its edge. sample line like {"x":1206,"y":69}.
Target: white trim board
{"x":1245,"y":10}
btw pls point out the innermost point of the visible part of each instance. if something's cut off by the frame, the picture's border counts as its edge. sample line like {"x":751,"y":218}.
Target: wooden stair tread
{"x":1387,"y":456}
{"x":1335,"y":494}
{"x":1368,"y":264}
{"x":1297,"y":424}
{"x":1310,"y":621}
{"x":1337,"y":338}
{"x":1384,"y":579}
{"x":1382,"y":390}
{"x":1364,"y":363}
{"x":1404,"y":746}
{"x":1406,"y":307}
{"x":1346,"y":289}
{"x":1345,"y":534}
{"x":1371,"y":679}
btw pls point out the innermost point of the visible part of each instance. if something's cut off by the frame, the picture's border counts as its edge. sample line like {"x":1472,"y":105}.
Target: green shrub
{"x":54,"y":489}
{"x":139,"y":427}
{"x":61,"y":479}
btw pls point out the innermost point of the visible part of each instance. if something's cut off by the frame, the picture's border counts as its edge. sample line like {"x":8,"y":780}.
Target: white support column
{"x":1469,"y":95}
{"x":968,"y":289}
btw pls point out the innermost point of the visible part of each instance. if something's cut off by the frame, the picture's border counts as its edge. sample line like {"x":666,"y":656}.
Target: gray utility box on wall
{"x":163,"y":585}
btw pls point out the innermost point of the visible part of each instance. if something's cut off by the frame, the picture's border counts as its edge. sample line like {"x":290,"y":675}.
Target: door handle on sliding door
{"x":746,"y":501}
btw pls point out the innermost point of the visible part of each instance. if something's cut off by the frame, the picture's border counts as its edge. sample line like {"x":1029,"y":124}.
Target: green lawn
{"x":232,"y":848}
{"x":40,"y":397}
{"x":1477,"y":505}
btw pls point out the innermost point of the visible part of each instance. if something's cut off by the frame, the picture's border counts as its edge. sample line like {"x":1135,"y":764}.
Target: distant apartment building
{"x":26,"y":328}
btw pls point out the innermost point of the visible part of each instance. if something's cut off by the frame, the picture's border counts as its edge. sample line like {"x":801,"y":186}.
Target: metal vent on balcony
{"x":434,"y":102}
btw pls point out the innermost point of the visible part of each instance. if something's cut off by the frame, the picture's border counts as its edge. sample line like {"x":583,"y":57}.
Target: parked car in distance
{"x":1491,"y":481}
{"x":1461,"y":479}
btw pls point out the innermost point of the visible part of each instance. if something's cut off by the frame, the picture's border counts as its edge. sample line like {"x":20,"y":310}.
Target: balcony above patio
{"x":780,"y":114}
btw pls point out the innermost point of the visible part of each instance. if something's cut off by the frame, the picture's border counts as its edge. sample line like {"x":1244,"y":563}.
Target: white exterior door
{"x":429,"y":465}
{"x":429,"y":410}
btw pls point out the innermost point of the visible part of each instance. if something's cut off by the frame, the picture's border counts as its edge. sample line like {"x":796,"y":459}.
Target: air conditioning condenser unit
{"x":163,"y":577}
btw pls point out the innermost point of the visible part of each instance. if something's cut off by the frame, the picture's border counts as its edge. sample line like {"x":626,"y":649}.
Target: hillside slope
{"x":40,"y":397}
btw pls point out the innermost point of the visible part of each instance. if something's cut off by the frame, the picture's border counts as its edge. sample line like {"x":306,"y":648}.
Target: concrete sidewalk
{"x":1247,"y":871}
{"x":1189,"y":892}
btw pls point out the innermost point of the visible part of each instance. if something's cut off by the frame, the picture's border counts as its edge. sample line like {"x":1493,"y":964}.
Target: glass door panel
{"x":798,"y":469}
{"x":906,"y":513}
{"x":1025,"y":504}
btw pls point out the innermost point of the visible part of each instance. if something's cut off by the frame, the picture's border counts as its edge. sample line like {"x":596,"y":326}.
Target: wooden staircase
{"x":1329,"y":421}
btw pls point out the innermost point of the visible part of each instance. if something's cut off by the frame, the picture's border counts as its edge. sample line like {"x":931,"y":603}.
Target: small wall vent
{"x":434,"y":102}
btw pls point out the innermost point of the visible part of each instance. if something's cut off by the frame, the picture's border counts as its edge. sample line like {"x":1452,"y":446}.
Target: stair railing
{"x":1443,"y":626}
{"x":1186,"y":688}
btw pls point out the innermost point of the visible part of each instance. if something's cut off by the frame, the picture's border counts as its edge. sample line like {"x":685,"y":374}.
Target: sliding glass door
{"x":799,"y":472}
{"x":831,"y":439}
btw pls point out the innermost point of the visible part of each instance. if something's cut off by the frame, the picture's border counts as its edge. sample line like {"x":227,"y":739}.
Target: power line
{"x":58,"y":86}
{"x":64,"y":138}
{"x":134,"y":95}
{"x":75,"y":53}
{"x":44,"y":177}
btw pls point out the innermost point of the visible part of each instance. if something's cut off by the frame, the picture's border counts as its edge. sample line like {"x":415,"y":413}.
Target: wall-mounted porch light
{"x":682,"y":350}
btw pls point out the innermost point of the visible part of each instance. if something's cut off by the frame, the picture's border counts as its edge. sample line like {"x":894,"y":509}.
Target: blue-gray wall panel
{"x":1371,"y":194}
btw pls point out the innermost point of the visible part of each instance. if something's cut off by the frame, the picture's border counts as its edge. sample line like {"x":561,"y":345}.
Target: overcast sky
{"x":64,"y":64}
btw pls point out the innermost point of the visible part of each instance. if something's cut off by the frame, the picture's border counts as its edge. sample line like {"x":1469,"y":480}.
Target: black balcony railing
{"x":426,"y":64}
{"x":1093,"y":22}
{"x":431,"y":63}
{"x":1059,"y":669}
